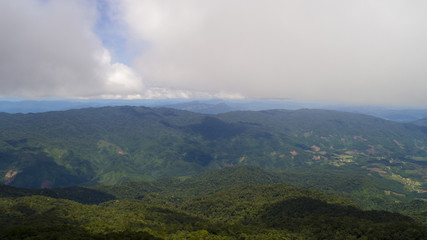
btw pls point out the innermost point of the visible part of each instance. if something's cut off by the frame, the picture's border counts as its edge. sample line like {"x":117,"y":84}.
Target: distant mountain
{"x":201,"y":107}
{"x":39,"y":106}
{"x":213,"y":106}
{"x":115,"y":144}
{"x":421,"y":122}
{"x":400,"y":114}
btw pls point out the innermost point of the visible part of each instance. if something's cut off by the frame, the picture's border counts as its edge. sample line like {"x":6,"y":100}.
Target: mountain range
{"x":164,"y":173}
{"x":213,"y":106}
{"x":110,"y":145}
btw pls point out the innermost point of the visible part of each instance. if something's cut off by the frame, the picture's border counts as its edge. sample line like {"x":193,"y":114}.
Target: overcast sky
{"x":344,"y":51}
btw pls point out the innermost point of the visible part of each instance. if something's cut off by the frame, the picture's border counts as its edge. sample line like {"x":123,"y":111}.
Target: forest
{"x":231,"y":203}
{"x":161,"y":173}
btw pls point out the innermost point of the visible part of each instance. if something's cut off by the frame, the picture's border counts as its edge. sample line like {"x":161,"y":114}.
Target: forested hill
{"x":115,"y":144}
{"x":230,"y":203}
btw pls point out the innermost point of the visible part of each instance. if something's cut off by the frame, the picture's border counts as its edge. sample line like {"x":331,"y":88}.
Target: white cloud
{"x":337,"y":50}
{"x":48,"y":49}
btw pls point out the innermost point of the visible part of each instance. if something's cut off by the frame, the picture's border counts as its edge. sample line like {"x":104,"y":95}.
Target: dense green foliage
{"x":231,"y":203}
{"x":114,"y":144}
{"x":159,"y":162}
{"x":77,"y":194}
{"x":366,"y":191}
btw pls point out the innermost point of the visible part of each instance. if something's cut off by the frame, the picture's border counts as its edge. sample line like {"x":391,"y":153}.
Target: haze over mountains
{"x":214,"y":106}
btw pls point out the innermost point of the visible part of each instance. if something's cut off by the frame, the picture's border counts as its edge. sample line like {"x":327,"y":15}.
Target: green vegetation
{"x":231,"y":203}
{"x":115,"y":144}
{"x":164,"y":164}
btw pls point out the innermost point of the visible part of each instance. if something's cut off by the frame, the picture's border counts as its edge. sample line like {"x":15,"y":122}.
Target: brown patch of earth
{"x":378,"y":170}
{"x":371,"y":151}
{"x":350,"y":152}
{"x":359,"y":137}
{"x":397,"y":142}
{"x":10,"y":176}
{"x":315,"y":148}
{"x":294,"y":153}
{"x":388,"y":193}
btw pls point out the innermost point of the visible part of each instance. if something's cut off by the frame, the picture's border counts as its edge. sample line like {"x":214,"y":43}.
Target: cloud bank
{"x":334,"y":50}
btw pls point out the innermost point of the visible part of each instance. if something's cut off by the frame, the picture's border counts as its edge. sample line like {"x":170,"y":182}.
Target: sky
{"x":340,"y":51}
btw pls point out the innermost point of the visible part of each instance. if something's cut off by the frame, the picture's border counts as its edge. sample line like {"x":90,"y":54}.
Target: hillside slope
{"x":114,"y":144}
{"x":230,"y":203}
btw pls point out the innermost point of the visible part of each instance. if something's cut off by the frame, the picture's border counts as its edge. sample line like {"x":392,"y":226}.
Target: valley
{"x":114,"y":144}
{"x":211,"y":169}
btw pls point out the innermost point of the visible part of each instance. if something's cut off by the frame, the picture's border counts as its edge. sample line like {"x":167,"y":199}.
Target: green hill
{"x":365,"y":191}
{"x":110,"y":145}
{"x":230,"y":203}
